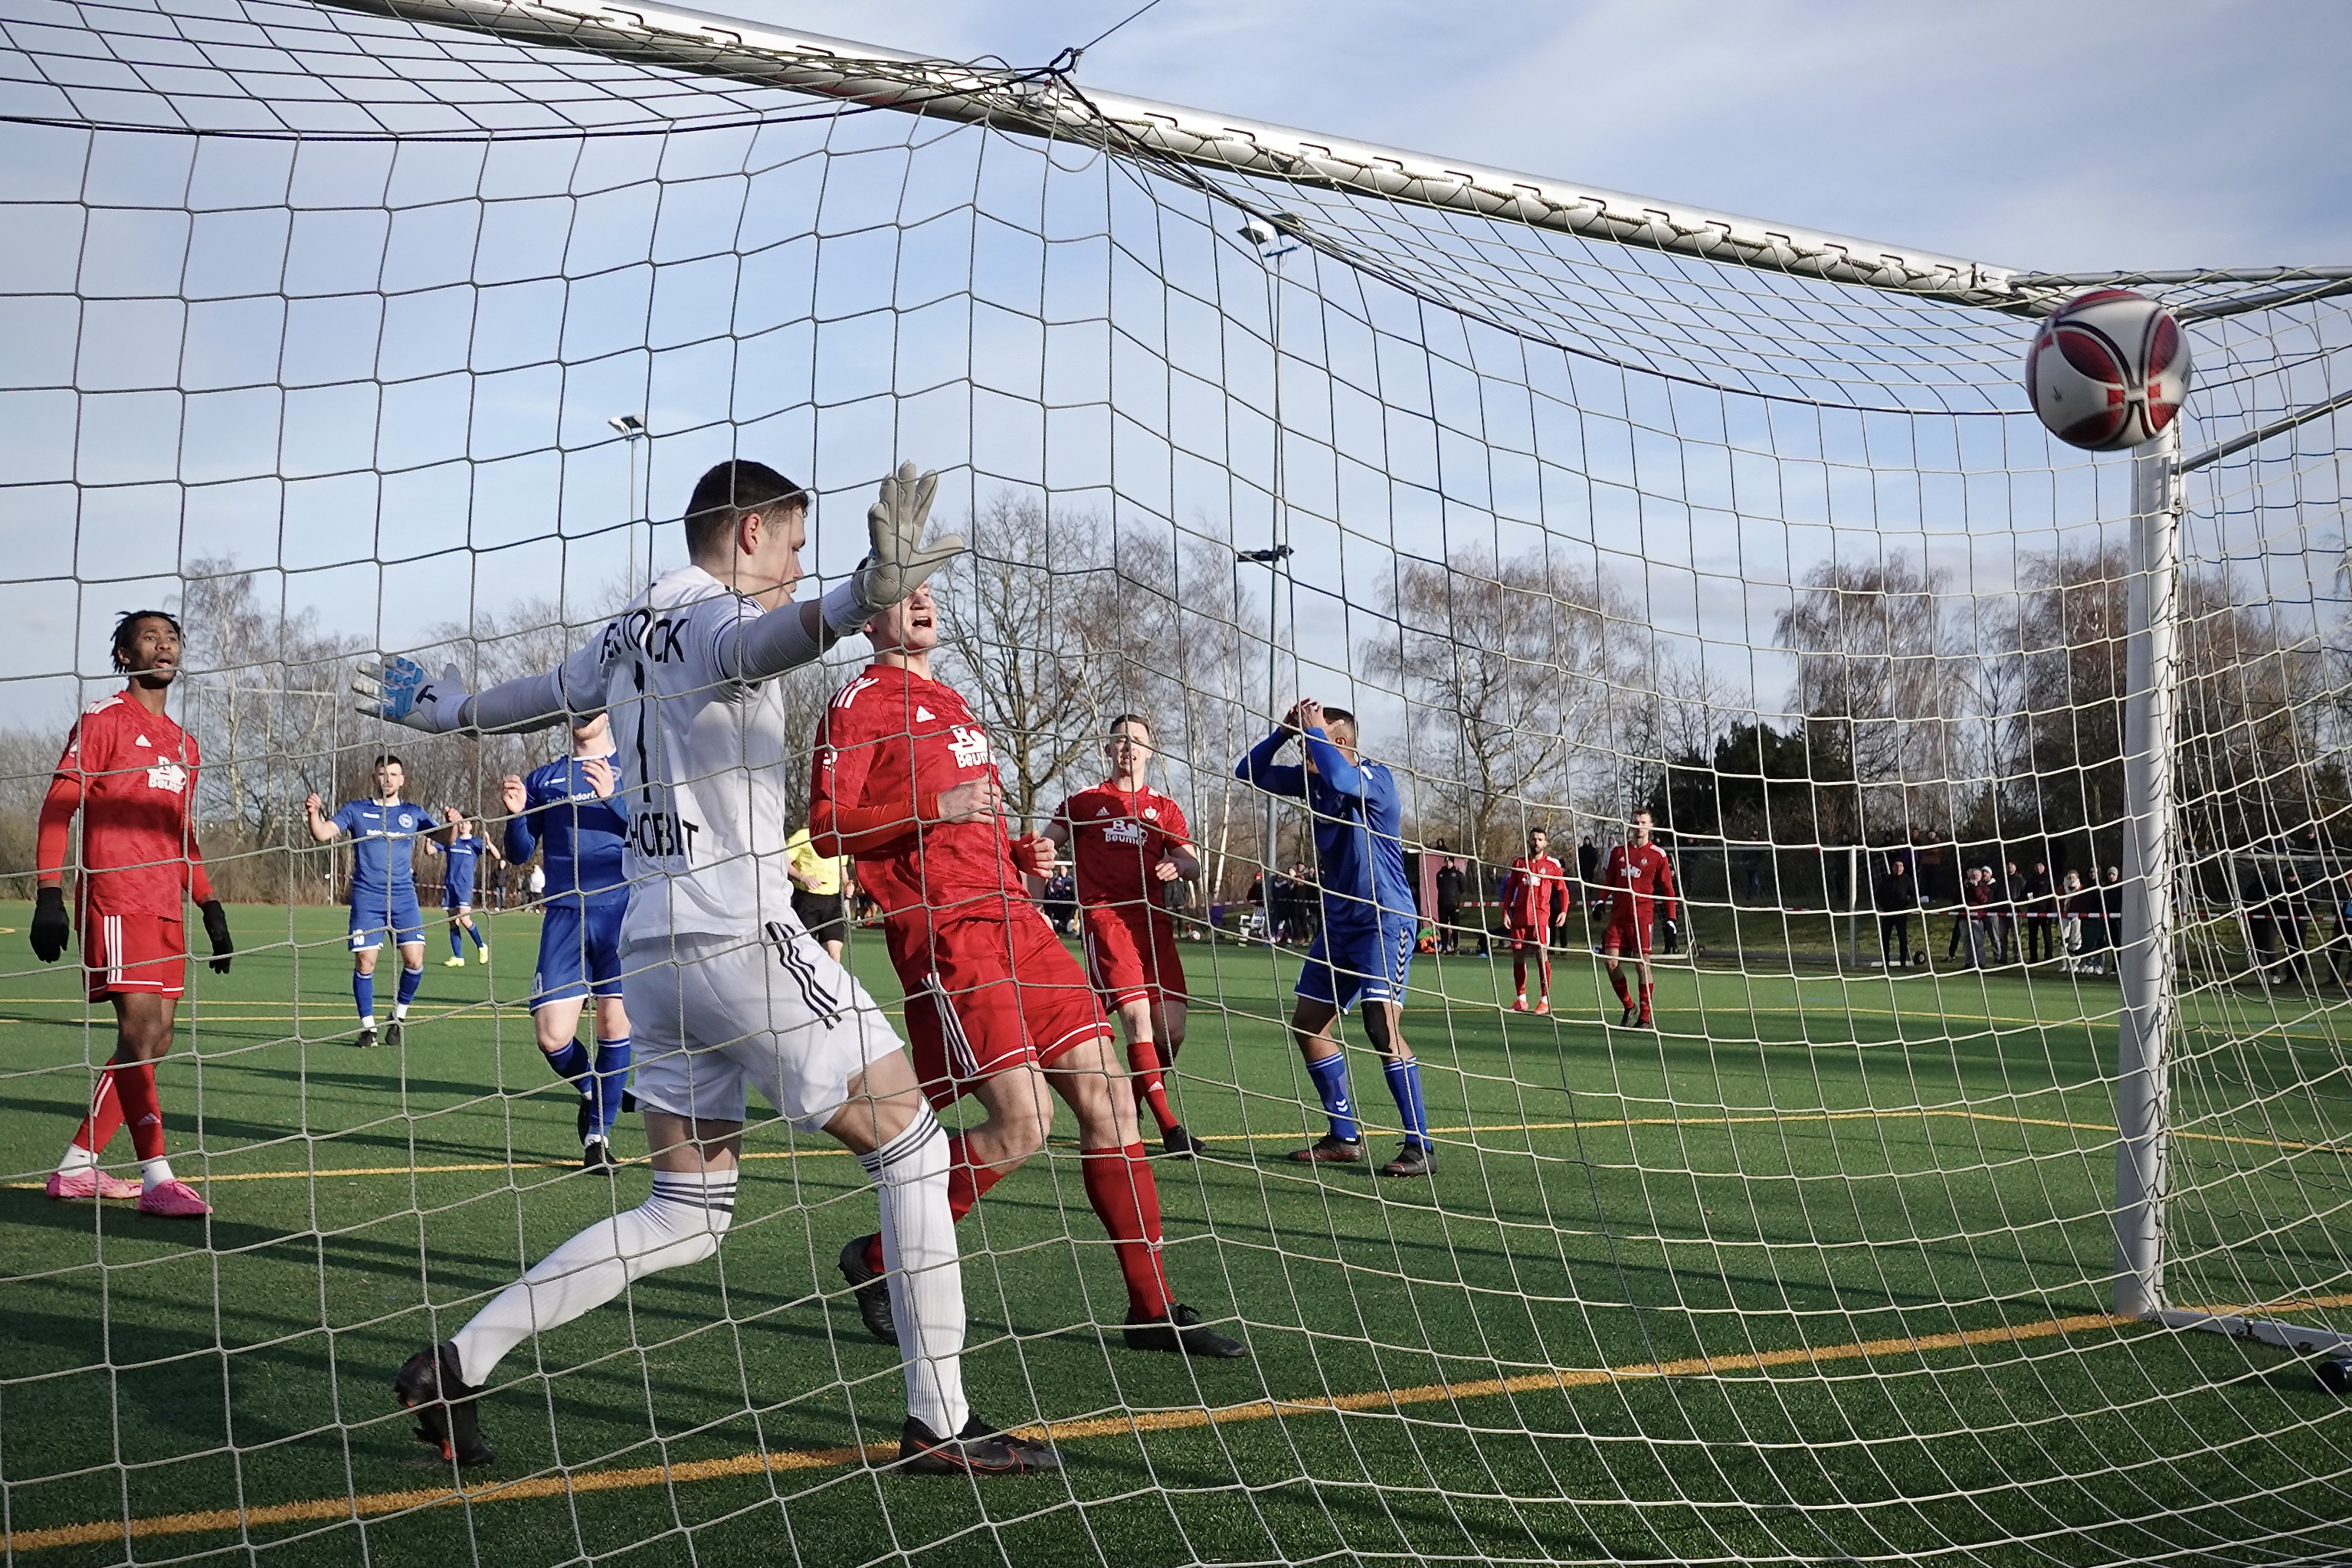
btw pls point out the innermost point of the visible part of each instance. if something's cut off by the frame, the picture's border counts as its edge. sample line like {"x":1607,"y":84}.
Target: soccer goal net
{"x":1990,"y":1047}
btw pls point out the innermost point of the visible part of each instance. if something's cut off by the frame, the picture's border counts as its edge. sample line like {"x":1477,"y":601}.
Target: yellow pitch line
{"x":373,"y":1504}
{"x":328,"y":1172}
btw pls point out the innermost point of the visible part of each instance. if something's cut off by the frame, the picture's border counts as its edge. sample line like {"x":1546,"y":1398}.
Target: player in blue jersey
{"x":1364,"y":952}
{"x":464,"y":853}
{"x":573,"y":807}
{"x":384,"y":834}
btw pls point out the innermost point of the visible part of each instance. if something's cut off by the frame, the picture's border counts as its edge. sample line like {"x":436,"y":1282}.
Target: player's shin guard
{"x":1647,"y":987}
{"x":572,"y":1063}
{"x":1617,"y":981}
{"x":456,"y":942}
{"x":680,"y":1224}
{"x":1151,"y":1082}
{"x":1126,"y":1200}
{"x":1330,"y":1076}
{"x":363,"y":995}
{"x":612,"y":1077}
{"x":967,"y":1183}
{"x":143,"y":1110}
{"x":1519,"y":975}
{"x":918,"y":1249}
{"x":1546,"y":972}
{"x":409,"y":980}
{"x":100,"y":1125}
{"x":1404,"y":1087}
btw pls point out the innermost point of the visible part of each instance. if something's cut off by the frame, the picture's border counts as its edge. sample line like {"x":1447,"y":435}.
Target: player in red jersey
{"x":996,"y":1008}
{"x":1536,"y":902}
{"x":131,"y":771}
{"x":1129,"y":842}
{"x":1639,"y":878}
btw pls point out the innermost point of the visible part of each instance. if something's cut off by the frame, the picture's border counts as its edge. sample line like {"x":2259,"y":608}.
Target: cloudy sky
{"x":2047,"y":135}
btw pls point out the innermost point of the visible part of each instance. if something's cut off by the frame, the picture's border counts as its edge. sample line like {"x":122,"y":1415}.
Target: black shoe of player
{"x":1178,"y":1143}
{"x":1412,"y":1160}
{"x":1178,"y":1330}
{"x":2334,"y":1374}
{"x":1631,"y":1013}
{"x":978,"y":1450}
{"x":432,"y":1385}
{"x":394,"y":1033}
{"x":873,"y":1293}
{"x":596,"y":1154}
{"x":1330,"y":1149}
{"x":364,"y":1040}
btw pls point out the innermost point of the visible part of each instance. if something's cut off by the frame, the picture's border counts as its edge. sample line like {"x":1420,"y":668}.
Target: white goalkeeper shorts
{"x":711,"y":1017}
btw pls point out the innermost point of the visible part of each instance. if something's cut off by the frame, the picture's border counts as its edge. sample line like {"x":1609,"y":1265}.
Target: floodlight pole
{"x":2152,"y":600}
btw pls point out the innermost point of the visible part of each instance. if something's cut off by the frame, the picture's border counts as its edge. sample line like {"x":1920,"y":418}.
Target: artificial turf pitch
{"x":1819,"y":1270}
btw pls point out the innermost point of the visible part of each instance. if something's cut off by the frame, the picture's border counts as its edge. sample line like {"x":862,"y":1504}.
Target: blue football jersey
{"x":582,"y":833}
{"x":1359,"y":826}
{"x":384,"y":842}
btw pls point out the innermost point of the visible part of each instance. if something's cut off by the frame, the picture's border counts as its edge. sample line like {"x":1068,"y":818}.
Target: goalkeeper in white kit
{"x":724,"y":984}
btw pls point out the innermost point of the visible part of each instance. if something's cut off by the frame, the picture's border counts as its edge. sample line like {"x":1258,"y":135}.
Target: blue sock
{"x":1331,"y":1075}
{"x":571,"y":1063}
{"x":1404,"y":1085}
{"x":456,"y":948}
{"x":409,"y":980}
{"x":612,"y":1076}
{"x":475,"y":932}
{"x":363,"y":993}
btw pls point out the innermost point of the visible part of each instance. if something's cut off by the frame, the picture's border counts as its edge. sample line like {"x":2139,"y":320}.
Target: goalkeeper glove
{"x":899,"y":561}
{"x":1674,"y":937}
{"x":217,"y":927}
{"x":50,"y":928}
{"x":399,"y":692}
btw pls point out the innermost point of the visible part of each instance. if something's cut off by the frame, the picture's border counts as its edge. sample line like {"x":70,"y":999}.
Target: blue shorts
{"x":376,"y":914}
{"x":579,"y":953}
{"x":455,"y":897}
{"x":1346,"y":966}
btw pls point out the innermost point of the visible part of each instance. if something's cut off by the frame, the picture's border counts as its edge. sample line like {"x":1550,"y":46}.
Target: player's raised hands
{"x":1309,"y":716}
{"x":598,"y":771}
{"x":313,"y":806}
{"x":899,"y":561}
{"x":979,"y":799}
{"x":398,"y":690}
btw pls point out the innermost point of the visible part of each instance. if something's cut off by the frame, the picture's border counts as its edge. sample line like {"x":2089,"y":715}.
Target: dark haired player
{"x":1638,"y":877}
{"x":906,"y":780}
{"x":1129,"y":841}
{"x":576,"y":808}
{"x":1536,"y":902}
{"x":463,"y":852}
{"x":725,"y":987}
{"x":384,"y":834}
{"x":1364,"y":951}
{"x":131,"y":771}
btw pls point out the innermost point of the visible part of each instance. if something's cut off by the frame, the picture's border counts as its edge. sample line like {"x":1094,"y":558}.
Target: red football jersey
{"x":1116,"y":838}
{"x":890,"y":743}
{"x":134,"y":776}
{"x":1536,"y":892}
{"x":1634,"y":875}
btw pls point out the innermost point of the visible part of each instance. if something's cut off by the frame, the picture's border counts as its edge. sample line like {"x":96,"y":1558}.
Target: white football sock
{"x":926,"y":1273}
{"x":680,"y":1224}
{"x":77,"y":1158}
{"x":155,"y":1173}
{"x":400,"y":1012}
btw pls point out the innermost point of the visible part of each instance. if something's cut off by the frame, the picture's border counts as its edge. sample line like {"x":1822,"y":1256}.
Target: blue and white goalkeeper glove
{"x":399,"y":692}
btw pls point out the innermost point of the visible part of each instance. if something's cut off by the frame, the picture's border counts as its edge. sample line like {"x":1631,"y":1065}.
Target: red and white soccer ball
{"x":2108,"y":370}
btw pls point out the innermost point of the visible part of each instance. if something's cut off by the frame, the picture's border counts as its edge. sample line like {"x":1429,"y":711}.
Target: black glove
{"x":51,"y":930}
{"x":217,"y":927}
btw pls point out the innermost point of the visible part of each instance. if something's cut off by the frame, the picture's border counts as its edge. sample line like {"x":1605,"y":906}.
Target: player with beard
{"x":996,"y":1008}
{"x":1638,"y":878}
{"x":131,"y":771}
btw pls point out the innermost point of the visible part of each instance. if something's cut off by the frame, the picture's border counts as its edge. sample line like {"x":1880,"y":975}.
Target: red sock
{"x":1646,"y":988}
{"x":105,"y":1118}
{"x":135,"y":1086}
{"x":1519,"y":975}
{"x":1547,"y":977}
{"x":1126,"y":1200}
{"x":966,"y":1183}
{"x":1617,"y":979}
{"x":1150,"y":1085}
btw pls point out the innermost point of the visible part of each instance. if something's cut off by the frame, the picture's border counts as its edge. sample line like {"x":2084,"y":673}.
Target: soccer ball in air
{"x":2108,"y":370}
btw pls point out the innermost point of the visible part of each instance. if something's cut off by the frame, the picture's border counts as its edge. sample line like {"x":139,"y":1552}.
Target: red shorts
{"x":994,"y":993}
{"x":134,"y":955}
{"x":1132,"y":953}
{"x":1528,"y":935}
{"x":1629,"y":938}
